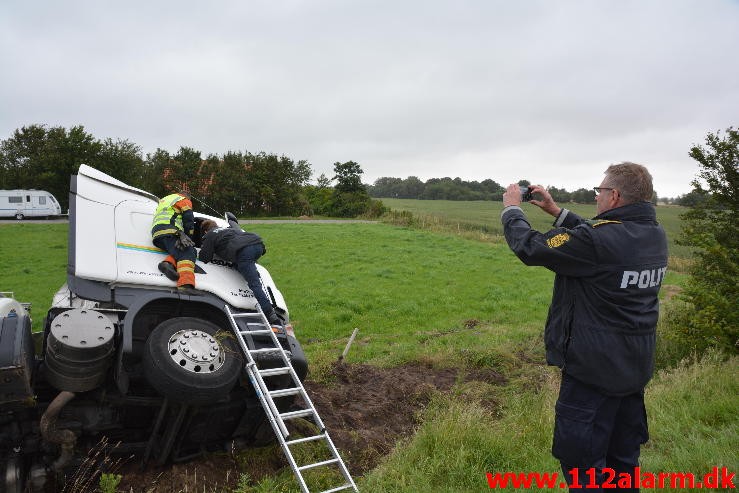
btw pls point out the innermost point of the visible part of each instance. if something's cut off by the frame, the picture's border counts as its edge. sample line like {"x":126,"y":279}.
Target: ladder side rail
{"x":275,"y":423}
{"x":273,"y":414}
{"x":297,"y":383}
{"x":308,"y":402}
{"x":239,"y":337}
{"x":256,"y":379}
{"x":316,"y":417}
{"x":281,"y":430}
{"x":342,"y":466}
{"x":261,"y":387}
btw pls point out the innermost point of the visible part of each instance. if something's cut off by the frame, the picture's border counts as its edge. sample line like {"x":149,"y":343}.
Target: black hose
{"x":65,"y":438}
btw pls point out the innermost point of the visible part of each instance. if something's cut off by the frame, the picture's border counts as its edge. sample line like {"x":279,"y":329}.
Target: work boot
{"x":188,"y":289}
{"x":275,"y":319}
{"x":169,"y":270}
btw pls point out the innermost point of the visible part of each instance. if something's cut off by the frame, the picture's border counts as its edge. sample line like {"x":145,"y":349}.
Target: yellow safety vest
{"x":167,"y":219}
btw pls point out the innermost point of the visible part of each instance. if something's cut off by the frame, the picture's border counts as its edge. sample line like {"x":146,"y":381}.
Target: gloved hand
{"x":183,"y":241}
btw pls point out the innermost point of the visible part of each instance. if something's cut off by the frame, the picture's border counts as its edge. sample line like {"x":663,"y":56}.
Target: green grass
{"x":693,"y":412}
{"x":692,"y":418}
{"x":411,"y":292}
{"x":399,"y":286}
{"x":34,"y":263}
{"x":486,"y":215}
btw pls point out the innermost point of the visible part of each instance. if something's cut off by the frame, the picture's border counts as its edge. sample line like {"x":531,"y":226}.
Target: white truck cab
{"x":129,"y":357}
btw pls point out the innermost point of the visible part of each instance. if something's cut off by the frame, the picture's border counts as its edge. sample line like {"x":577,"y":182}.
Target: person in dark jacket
{"x":243,"y":249}
{"x":601,"y":326}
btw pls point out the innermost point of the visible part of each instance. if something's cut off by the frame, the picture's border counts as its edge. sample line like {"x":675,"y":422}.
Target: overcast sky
{"x":551,"y":91}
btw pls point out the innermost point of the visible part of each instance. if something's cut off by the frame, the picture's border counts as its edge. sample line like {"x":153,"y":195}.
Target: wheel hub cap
{"x":196,"y":351}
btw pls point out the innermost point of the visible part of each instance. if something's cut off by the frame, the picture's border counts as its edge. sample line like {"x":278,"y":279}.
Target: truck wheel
{"x":19,"y":216}
{"x":191,"y":361}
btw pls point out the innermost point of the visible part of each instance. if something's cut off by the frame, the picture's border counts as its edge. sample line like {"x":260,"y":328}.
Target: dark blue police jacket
{"x":601,"y":327}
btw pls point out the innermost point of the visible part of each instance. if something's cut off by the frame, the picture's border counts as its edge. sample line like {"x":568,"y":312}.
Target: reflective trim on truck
{"x":140,"y":248}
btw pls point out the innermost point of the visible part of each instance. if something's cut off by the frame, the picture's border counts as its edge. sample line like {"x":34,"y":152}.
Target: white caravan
{"x":28,"y":203}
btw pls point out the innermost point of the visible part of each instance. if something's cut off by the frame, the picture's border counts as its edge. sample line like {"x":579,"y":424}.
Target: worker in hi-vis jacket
{"x":173,"y":224}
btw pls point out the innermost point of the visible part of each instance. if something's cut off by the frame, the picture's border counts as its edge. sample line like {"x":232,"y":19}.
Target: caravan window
{"x":15,"y":200}
{"x":42,"y":200}
{"x":53,"y":200}
{"x":28,"y":198}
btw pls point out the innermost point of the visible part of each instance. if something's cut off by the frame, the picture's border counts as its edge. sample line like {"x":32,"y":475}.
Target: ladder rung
{"x":345,"y":487}
{"x":275,"y":371}
{"x":247,"y":314}
{"x":297,"y":414}
{"x":255,"y":332}
{"x":318,"y":464}
{"x":285,"y":392}
{"x":266,"y":350}
{"x":307,"y":439}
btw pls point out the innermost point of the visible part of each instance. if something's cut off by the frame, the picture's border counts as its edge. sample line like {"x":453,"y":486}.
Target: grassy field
{"x":33,"y":260}
{"x":485,"y":215}
{"x":411,"y":293}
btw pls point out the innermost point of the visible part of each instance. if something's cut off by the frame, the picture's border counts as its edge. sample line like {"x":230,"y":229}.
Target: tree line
{"x":245,"y":183}
{"x":457,"y":189}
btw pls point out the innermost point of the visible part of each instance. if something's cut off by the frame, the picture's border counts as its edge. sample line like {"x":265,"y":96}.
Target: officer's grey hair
{"x":632,"y":181}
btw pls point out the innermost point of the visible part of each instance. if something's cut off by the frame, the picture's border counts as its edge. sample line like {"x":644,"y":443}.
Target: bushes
{"x":711,"y":227}
{"x":349,"y":198}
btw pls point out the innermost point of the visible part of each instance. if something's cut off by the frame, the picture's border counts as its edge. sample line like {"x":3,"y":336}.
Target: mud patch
{"x":214,"y":473}
{"x":365,"y":408}
{"x":368,"y":409}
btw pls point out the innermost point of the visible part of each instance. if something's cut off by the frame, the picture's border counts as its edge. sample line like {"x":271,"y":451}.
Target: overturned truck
{"x":124,"y":356}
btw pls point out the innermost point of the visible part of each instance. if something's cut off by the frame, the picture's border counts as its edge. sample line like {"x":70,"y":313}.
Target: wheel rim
{"x":196,"y":351}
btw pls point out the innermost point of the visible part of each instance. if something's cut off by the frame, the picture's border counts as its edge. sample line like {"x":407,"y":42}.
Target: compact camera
{"x":526,"y":194}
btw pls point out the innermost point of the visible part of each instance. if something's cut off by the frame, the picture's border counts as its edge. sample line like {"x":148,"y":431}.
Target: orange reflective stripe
{"x":186,"y":277}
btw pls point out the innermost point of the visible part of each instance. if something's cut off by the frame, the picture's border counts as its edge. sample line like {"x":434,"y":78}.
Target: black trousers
{"x":594,"y":430}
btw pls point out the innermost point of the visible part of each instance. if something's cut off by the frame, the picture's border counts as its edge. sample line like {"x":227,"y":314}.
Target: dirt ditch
{"x":365,"y":408}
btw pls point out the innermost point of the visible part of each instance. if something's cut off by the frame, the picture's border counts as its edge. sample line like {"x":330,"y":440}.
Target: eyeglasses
{"x":599,"y":190}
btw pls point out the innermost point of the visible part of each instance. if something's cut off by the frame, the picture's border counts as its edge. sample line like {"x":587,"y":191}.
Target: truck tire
{"x":191,"y":361}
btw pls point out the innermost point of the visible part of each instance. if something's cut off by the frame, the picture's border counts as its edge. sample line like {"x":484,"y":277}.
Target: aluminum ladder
{"x":277,"y":419}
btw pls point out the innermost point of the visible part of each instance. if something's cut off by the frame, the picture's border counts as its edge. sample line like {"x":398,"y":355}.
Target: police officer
{"x":243,"y":249}
{"x":602,"y":320}
{"x":173,"y":222}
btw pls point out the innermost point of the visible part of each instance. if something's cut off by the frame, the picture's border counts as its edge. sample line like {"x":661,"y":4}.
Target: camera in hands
{"x":526,"y":194}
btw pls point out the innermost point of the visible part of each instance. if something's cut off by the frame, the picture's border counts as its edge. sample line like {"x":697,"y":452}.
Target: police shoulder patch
{"x":558,"y":240}
{"x":601,"y":222}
